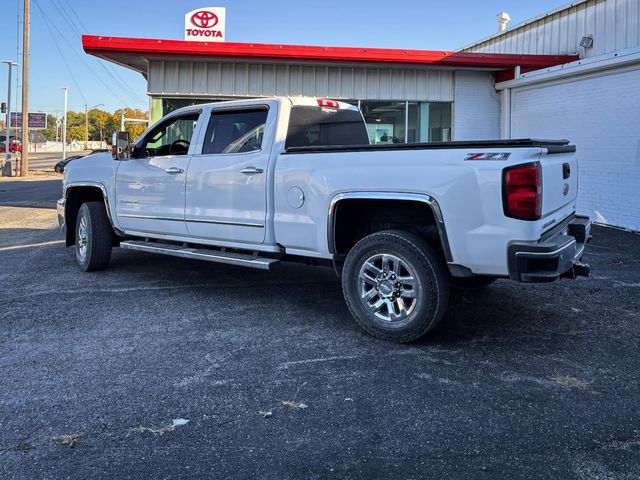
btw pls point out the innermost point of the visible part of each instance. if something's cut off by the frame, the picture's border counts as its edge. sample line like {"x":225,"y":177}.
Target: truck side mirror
{"x":121,"y":146}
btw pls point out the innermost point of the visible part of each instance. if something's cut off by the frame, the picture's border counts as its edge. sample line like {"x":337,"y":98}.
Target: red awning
{"x":134,"y":52}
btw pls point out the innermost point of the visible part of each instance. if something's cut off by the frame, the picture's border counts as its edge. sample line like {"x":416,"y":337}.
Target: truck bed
{"x":553,"y":146}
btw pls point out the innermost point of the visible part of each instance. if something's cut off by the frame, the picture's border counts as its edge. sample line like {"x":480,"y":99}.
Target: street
{"x":161,"y":367}
{"x":45,"y":161}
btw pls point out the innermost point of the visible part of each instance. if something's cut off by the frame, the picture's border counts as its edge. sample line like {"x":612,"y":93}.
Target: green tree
{"x":134,"y":129}
{"x":52,"y":127}
{"x":75,"y":132}
{"x":101,"y":125}
{"x":98,"y":121}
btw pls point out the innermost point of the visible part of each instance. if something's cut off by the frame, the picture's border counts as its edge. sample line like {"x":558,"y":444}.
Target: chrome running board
{"x":209,"y":255}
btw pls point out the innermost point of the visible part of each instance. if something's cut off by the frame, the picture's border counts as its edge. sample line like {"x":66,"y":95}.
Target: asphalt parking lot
{"x":167,"y":368}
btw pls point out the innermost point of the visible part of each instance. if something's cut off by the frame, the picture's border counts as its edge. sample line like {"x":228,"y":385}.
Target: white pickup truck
{"x":257,"y":182}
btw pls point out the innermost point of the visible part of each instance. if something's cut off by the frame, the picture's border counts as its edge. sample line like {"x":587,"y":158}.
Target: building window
{"x":389,"y":121}
{"x":386,"y":121}
{"x":436,"y":127}
{"x":400,"y":122}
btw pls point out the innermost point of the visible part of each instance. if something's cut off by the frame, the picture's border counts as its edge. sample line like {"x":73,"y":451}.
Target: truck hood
{"x":96,"y":168}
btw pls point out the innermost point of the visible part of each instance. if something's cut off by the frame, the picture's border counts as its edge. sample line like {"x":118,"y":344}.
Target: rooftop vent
{"x":503,"y":19}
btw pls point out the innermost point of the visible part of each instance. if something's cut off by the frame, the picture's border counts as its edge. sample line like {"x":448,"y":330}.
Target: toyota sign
{"x":205,"y":24}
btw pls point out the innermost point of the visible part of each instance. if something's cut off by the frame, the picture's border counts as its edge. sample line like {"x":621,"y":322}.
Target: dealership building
{"x":572,"y":73}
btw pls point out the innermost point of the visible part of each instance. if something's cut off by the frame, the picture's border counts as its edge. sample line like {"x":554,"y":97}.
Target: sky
{"x":57,"y":59}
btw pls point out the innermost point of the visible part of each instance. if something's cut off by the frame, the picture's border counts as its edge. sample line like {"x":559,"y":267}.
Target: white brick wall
{"x":600,"y":114}
{"x":476,"y":107}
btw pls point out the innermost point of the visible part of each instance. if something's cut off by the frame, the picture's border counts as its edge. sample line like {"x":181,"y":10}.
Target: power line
{"x":72,"y":23}
{"x":55,"y":41}
{"x":82,"y":59}
{"x":131,"y":92}
{"x":75,"y":14}
{"x":65,"y":16}
{"x":115,"y":71}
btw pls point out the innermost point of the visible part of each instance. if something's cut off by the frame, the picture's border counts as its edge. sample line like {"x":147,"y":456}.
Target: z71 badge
{"x":488,"y":156}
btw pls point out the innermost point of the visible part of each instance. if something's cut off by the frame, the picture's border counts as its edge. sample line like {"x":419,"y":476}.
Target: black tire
{"x":417,"y":259}
{"x":98,"y":237}
{"x":470,"y":284}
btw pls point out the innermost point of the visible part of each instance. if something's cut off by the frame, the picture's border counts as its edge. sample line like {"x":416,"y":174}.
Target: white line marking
{"x":31,"y":245}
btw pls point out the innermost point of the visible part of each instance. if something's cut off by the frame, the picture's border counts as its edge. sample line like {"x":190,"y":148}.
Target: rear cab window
{"x":316,"y":126}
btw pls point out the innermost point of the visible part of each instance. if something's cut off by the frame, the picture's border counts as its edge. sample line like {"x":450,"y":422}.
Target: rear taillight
{"x":522,"y":191}
{"x":323,"y":102}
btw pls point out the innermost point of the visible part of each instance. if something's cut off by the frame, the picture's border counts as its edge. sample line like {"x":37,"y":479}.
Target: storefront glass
{"x":387,"y":121}
{"x":400,"y":122}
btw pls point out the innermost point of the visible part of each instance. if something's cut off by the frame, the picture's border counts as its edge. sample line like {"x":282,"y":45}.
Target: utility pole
{"x":7,"y":144}
{"x":64,"y":125}
{"x":86,"y":127}
{"x":24,"y":163}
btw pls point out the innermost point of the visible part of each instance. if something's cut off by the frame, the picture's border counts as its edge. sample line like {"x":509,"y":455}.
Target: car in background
{"x":14,"y":145}
{"x":60,"y":166}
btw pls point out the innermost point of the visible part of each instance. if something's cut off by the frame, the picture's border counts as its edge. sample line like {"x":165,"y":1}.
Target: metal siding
{"x":346,"y":87}
{"x":199,"y":77}
{"x":614,"y":24}
{"x":213,"y":77}
{"x":281,"y":80}
{"x":372,"y":85}
{"x":295,"y":80}
{"x":410,"y":83}
{"x":256,"y":79}
{"x":227,"y":75}
{"x":185,"y":77}
{"x":359,"y":83}
{"x":268,"y":79}
{"x":321,"y":82}
{"x":241,"y":84}
{"x":170,"y":77}
{"x":308,"y":81}
{"x":333,"y":81}
{"x":156,"y":74}
{"x":384,"y":84}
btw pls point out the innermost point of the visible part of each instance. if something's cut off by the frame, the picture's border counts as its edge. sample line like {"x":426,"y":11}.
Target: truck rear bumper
{"x":552,"y":258}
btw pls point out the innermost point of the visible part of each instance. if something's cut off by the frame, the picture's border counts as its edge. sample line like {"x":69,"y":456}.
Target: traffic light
{"x":3,"y":107}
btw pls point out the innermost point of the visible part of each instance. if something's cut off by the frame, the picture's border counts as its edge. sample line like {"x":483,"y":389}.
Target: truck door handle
{"x":251,"y":170}
{"x":174,"y":170}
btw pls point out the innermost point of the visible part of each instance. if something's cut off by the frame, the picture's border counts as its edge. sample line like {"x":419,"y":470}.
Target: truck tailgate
{"x":559,"y":181}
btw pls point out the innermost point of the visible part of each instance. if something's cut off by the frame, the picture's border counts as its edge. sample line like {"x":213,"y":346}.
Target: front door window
{"x":172,"y":137}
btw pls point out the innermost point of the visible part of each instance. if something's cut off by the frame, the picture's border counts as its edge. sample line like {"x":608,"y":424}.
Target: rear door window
{"x":235,"y":131}
{"x":319,"y":127}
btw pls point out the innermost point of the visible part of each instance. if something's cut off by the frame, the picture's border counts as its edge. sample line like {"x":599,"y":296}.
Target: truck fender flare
{"x":105,"y":198}
{"x":406,"y":196}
